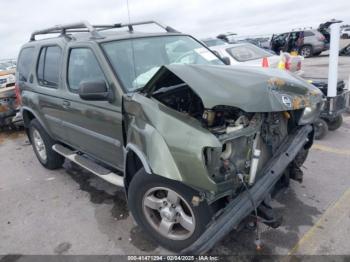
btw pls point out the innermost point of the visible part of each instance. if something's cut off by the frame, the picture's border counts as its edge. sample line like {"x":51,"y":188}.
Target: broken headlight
{"x":310,"y":114}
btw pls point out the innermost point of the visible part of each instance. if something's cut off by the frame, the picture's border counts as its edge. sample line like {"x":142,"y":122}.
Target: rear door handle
{"x":66,"y":104}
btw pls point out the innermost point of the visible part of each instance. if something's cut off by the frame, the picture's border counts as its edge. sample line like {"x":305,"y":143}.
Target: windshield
{"x":135,"y":61}
{"x":247,"y":52}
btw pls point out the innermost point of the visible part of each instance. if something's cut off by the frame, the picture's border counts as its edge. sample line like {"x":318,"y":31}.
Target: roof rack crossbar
{"x":131,"y":25}
{"x":74,"y":27}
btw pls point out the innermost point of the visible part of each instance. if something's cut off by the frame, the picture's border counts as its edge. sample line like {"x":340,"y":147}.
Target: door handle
{"x":66,"y":104}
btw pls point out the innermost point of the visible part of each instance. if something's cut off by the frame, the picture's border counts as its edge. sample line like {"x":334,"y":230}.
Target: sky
{"x":201,"y":18}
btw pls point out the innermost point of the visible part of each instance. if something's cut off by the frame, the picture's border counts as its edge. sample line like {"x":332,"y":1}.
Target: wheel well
{"x":132,"y":165}
{"x":27,"y":117}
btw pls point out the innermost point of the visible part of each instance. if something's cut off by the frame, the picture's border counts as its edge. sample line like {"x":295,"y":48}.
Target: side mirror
{"x":226,"y":60}
{"x":94,"y":91}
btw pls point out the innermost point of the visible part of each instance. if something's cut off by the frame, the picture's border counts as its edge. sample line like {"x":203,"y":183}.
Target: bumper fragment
{"x":241,"y":206}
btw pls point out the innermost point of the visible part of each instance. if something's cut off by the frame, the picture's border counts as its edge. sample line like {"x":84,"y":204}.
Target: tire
{"x":321,"y":129}
{"x":306,"y":51}
{"x":145,"y":186}
{"x":52,"y":159}
{"x":301,"y":157}
{"x":335,"y":123}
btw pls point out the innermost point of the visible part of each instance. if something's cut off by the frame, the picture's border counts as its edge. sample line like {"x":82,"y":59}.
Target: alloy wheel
{"x":168,"y":213}
{"x":39,"y":145}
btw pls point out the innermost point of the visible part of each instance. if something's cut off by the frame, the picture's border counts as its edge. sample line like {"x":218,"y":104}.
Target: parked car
{"x":196,"y":142}
{"x":8,"y":65}
{"x":345,"y":51}
{"x":9,"y":108}
{"x":7,"y":77}
{"x":213,"y":42}
{"x":251,"y":55}
{"x":345,"y":33}
{"x":331,"y":114}
{"x":307,"y":42}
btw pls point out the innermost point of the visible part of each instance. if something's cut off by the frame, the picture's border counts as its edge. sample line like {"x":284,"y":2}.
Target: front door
{"x":93,"y":127}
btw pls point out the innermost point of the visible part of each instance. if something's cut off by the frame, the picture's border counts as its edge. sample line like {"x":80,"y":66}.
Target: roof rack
{"x":63,"y":29}
{"x":85,"y":26}
{"x":131,"y":26}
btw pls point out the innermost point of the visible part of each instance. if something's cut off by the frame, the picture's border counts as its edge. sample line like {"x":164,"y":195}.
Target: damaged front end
{"x":218,"y":129}
{"x":211,"y":123}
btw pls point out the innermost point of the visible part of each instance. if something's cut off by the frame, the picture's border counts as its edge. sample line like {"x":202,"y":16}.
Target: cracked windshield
{"x":135,"y":61}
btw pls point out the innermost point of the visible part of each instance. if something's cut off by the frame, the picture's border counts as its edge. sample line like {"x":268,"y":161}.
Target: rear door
{"x":39,"y":78}
{"x":49,"y":88}
{"x":93,"y":127}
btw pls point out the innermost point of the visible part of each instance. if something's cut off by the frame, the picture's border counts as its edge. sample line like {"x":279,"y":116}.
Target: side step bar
{"x":89,"y":165}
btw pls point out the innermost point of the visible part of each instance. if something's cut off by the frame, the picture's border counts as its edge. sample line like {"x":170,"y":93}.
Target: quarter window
{"x":49,"y":66}
{"x":25,"y":62}
{"x":83,"y":66}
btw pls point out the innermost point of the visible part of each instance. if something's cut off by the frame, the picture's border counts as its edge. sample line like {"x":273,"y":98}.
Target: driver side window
{"x":82,"y":66}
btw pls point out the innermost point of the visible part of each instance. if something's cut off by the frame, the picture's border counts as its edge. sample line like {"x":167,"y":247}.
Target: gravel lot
{"x":70,"y":211}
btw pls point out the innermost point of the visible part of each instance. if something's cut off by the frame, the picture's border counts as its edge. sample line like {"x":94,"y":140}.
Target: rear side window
{"x":25,"y":61}
{"x":83,"y":66}
{"x":308,"y":33}
{"x":48,"y":69}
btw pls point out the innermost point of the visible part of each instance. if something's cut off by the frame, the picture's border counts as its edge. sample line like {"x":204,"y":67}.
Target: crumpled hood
{"x":251,"y":89}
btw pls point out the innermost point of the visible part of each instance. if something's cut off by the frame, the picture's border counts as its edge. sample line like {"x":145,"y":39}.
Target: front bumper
{"x":241,"y":206}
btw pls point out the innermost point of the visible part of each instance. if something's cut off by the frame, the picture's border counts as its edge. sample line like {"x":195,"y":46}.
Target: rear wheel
{"x":335,"y":123}
{"x":321,"y":129}
{"x":164,"y":209}
{"x":42,"y":144}
{"x":306,"y":51}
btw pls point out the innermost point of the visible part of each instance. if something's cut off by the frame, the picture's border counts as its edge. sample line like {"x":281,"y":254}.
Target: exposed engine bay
{"x":248,"y":139}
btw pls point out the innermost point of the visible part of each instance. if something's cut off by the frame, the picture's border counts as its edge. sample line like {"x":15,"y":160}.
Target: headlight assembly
{"x":310,"y":114}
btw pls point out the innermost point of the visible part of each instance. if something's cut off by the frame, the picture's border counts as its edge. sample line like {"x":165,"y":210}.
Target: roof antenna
{"x":132,"y":40}
{"x":130,"y":26}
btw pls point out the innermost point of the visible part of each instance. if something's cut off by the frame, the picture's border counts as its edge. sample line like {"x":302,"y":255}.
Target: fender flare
{"x":141,"y":156}
{"x":36,"y":116}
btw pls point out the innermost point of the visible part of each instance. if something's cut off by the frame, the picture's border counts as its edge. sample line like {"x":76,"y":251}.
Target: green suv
{"x":197,"y":145}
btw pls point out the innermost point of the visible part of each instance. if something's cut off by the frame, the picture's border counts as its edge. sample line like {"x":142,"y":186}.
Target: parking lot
{"x":70,"y":211}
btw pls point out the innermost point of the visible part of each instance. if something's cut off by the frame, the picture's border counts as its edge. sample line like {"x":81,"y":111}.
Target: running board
{"x":89,"y":165}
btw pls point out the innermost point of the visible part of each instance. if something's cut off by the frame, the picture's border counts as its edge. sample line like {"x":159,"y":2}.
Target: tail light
{"x":321,"y":37}
{"x":18,"y":95}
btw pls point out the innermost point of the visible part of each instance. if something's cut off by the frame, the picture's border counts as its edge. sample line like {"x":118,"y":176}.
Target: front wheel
{"x":321,"y":129}
{"x":164,"y":209}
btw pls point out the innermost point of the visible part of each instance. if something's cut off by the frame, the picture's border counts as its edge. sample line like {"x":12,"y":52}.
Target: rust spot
{"x":277,"y":82}
{"x":296,"y":102}
{"x":286,"y":115}
{"x":3,"y":108}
